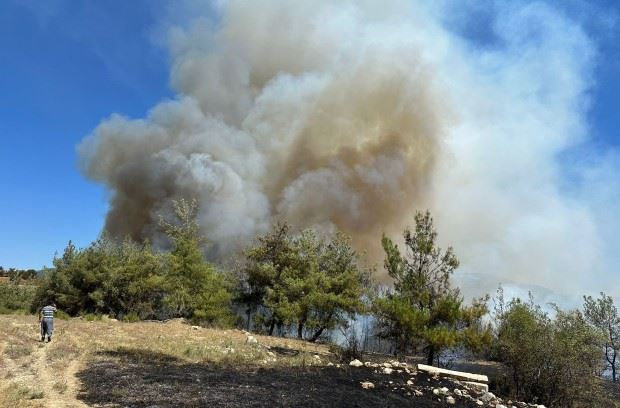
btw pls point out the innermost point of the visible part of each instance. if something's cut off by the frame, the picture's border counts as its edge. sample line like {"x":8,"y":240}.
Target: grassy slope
{"x":33,"y":374}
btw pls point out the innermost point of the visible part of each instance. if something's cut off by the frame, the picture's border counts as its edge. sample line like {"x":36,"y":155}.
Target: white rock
{"x":195,"y":327}
{"x":387,"y":365}
{"x":457,"y":392}
{"x":435,"y":391}
{"x":316,"y":357}
{"x":356,"y":363}
{"x":418,"y":393}
{"x":367,"y":385}
{"x":409,"y":382}
{"x":330,"y":364}
{"x":500,"y":406}
{"x":387,"y":370}
{"x":251,"y":340}
{"x":450,"y":401}
{"x":271,"y":354}
{"x":479,"y":403}
{"x":487,"y":397}
{"x":444,"y":390}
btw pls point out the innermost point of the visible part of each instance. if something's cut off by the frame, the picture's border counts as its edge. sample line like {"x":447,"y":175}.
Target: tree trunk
{"x":317,"y":334}
{"x":273,"y":326}
{"x":249,"y":314}
{"x":430,"y":356}
{"x":300,"y":329}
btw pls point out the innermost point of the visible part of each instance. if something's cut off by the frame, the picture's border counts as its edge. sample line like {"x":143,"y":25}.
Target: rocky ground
{"x":135,"y":378}
{"x":112,"y":364}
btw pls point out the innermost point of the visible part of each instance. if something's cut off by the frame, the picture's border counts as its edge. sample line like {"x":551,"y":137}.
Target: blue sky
{"x":67,"y":65}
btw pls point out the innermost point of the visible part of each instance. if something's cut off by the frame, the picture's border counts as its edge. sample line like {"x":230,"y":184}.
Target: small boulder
{"x":251,"y":340}
{"x":356,"y":363}
{"x":367,"y":385}
{"x":450,"y":401}
{"x":387,"y":370}
{"x":487,"y":397}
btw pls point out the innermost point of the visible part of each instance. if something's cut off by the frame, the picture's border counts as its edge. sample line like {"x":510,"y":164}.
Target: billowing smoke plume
{"x":352,"y":115}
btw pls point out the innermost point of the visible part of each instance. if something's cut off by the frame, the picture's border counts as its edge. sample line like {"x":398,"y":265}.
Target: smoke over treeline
{"x":352,"y":115}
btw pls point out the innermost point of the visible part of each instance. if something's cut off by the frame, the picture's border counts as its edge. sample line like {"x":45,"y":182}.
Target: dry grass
{"x":30,"y":370}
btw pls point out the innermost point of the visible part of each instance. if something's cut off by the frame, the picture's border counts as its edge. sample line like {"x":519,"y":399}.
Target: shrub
{"x":551,"y":361}
{"x":16,"y":298}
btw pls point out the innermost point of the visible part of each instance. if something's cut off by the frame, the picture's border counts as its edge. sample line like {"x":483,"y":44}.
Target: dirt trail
{"x":36,"y":374}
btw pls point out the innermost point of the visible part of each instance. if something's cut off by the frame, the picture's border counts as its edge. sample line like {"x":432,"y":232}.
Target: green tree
{"x":193,"y":287}
{"x":603,"y":315}
{"x":266,"y":264}
{"x":424,"y":309}
{"x":305,"y":282}
{"x":551,"y":361}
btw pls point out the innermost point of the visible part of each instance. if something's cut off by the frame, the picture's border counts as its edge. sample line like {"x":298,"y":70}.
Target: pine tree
{"x":193,"y":287}
{"x":424,"y":309}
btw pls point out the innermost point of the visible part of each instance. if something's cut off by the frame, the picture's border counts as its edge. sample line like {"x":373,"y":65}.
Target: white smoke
{"x":352,"y":115}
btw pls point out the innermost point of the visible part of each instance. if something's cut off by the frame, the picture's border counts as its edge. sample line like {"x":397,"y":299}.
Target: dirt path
{"x":35,"y":374}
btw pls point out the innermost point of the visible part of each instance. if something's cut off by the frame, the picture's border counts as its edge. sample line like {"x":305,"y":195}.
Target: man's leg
{"x":50,"y":330}
{"x":43,"y":330}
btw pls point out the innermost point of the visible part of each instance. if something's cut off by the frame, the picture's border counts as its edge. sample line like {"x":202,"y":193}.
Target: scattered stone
{"x":476,"y":386}
{"x":479,"y":403}
{"x":450,"y":401}
{"x":418,"y":393}
{"x":356,"y":363}
{"x":444,"y":390}
{"x":435,"y":391}
{"x":367,"y":385}
{"x":387,"y":365}
{"x":487,"y":397}
{"x":387,"y":370}
{"x":271,"y":354}
{"x":316,"y":357}
{"x":251,"y":340}
{"x":195,"y":327}
{"x":330,"y":364}
{"x":457,"y":392}
{"x":409,"y":382}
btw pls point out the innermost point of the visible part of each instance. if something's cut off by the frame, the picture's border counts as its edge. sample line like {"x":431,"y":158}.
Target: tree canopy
{"x":424,"y":309}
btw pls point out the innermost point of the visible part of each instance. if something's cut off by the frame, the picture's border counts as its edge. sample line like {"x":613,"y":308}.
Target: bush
{"x":90,"y":317}
{"x":16,"y":298}
{"x":131,"y":317}
{"x":550,"y":361}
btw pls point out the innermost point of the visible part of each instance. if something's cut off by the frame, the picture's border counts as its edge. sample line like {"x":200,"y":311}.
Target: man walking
{"x":46,"y":318}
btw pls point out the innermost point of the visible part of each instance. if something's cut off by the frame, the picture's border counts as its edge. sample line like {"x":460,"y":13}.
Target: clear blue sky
{"x":66,"y":65}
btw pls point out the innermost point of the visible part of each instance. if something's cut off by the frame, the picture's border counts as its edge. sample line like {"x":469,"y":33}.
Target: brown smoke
{"x":291,"y":126}
{"x":351,"y":115}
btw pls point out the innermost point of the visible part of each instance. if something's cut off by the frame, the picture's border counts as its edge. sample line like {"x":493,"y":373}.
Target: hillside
{"x":148,"y":364}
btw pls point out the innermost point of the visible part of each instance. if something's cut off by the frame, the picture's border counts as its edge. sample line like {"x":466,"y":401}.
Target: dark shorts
{"x":47,"y":327}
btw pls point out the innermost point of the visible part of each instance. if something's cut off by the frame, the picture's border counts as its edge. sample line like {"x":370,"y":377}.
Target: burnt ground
{"x":135,"y":378}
